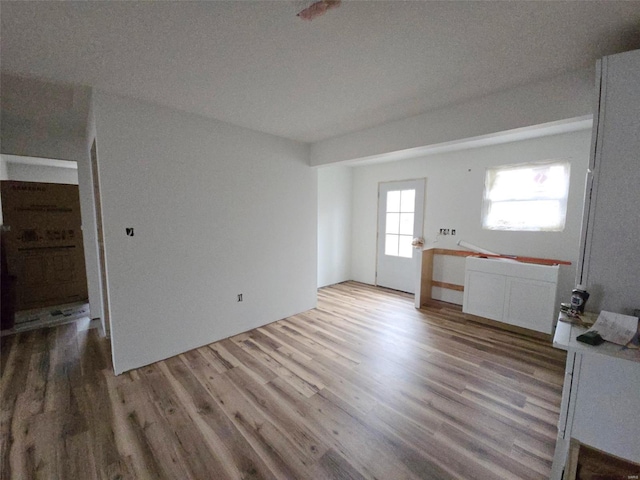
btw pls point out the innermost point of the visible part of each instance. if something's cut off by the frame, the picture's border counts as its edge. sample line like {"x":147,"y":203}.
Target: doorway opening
{"x":43,"y":268}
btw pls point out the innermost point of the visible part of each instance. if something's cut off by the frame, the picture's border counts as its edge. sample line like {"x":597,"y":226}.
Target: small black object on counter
{"x":591,"y":337}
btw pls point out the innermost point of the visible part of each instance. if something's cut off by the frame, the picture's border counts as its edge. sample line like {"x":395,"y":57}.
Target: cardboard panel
{"x":43,"y":241}
{"x":40,"y":204}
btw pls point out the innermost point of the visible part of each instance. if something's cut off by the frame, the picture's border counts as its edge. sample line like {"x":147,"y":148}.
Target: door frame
{"x":95,"y":184}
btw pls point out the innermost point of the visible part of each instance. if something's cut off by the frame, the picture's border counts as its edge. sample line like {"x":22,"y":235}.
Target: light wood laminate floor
{"x":363,"y":387}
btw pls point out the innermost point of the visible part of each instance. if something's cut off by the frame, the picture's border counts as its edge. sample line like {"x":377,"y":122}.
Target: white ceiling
{"x":255,"y":64}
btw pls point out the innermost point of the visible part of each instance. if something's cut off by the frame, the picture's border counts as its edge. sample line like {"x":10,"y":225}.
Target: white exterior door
{"x":400,"y":217}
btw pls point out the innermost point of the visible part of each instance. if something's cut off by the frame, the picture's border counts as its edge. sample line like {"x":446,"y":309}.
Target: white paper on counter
{"x":615,"y":327}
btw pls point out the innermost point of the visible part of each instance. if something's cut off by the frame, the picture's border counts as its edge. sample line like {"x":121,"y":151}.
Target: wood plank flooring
{"x":362,"y":387}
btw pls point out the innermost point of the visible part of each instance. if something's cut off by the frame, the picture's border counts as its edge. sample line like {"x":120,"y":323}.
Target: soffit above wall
{"x":44,"y":162}
{"x":508,"y":136}
{"x":43,"y":108}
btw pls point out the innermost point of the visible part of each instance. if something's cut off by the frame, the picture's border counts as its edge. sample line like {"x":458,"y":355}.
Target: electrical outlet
{"x":239,"y":297}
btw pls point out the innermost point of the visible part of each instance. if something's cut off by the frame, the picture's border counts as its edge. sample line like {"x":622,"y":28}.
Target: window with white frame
{"x":526,"y":197}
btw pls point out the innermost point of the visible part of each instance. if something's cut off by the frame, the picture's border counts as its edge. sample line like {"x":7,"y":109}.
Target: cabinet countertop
{"x":565,"y":339}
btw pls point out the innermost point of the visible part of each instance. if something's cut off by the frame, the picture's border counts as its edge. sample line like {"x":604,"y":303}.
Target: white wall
{"x":334,"y":225}
{"x":43,"y":119}
{"x":563,"y":97}
{"x":455,"y":183}
{"x":218,"y":210}
{"x":612,"y":246}
{"x":42,"y":173}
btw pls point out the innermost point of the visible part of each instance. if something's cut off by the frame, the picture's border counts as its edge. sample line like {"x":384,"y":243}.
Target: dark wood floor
{"x":364,"y":386}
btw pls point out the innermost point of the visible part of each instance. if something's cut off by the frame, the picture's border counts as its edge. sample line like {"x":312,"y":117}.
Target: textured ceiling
{"x":255,"y":64}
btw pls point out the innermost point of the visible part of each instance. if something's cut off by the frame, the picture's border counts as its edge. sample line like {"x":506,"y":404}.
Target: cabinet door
{"x":484,"y":294}
{"x":529,"y":304}
{"x":607,"y":406}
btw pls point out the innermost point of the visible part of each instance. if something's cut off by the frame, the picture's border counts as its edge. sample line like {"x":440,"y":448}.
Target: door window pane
{"x":393,"y":201}
{"x":393,"y":223}
{"x":407,"y":201}
{"x":406,"y":224}
{"x":405,"y":249}
{"x":391,"y":245}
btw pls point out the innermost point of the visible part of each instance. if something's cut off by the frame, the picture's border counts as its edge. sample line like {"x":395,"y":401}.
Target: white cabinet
{"x":600,"y":398}
{"x":520,"y":294}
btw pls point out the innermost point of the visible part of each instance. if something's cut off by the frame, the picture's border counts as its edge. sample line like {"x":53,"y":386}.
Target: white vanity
{"x":520,"y":294}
